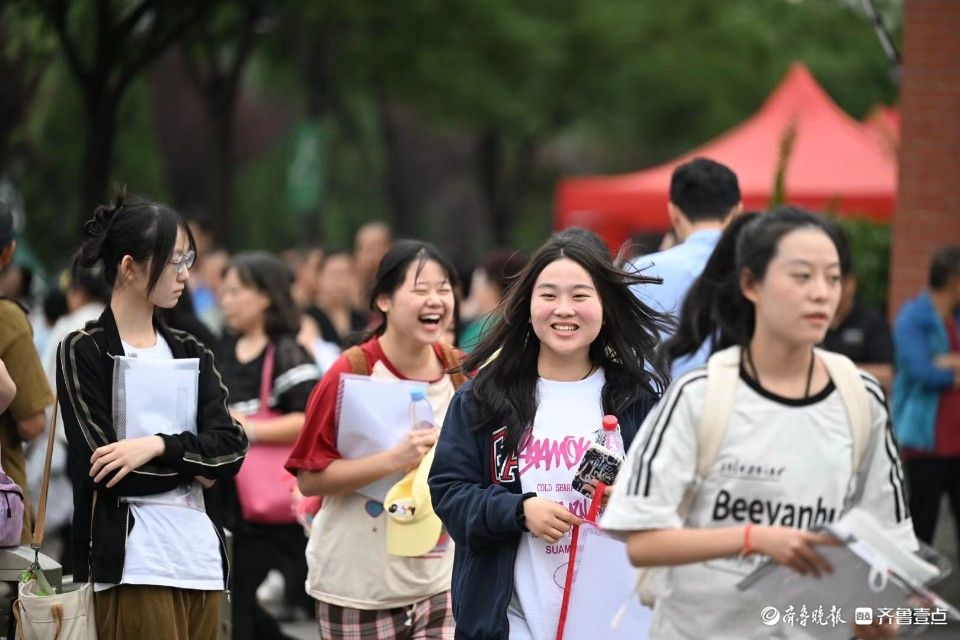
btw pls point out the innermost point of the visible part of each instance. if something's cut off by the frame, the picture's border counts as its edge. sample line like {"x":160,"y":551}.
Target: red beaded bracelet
{"x":747,"y":547}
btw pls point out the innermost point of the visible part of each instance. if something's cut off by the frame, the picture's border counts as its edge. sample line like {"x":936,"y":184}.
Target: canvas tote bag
{"x":41,"y":613}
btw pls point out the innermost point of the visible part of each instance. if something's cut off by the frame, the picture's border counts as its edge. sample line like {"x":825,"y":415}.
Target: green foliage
{"x":597,"y":85}
{"x":870,"y":247}
{"x":352,"y":195}
{"x":49,"y":181}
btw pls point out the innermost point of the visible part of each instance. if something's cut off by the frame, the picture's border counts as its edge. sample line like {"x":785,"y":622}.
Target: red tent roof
{"x":834,"y":164}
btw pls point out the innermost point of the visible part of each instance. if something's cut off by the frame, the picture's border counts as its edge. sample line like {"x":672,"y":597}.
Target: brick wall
{"x":928,"y":202}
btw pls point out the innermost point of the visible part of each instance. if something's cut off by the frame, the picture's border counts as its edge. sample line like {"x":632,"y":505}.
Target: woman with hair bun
{"x":147,"y":533}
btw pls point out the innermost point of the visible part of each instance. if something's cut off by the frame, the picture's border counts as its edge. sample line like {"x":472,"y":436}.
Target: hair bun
{"x":103,"y":215}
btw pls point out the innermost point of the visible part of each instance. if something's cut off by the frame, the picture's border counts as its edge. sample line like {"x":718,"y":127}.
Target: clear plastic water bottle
{"x":611,"y":437}
{"x":421,"y":413}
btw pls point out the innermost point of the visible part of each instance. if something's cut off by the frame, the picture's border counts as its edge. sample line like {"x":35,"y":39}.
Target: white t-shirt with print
{"x":782,"y":462}
{"x":569,"y":418}
{"x":173,"y":542}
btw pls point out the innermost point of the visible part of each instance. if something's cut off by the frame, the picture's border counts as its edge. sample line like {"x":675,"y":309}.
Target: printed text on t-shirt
{"x":547,"y":453}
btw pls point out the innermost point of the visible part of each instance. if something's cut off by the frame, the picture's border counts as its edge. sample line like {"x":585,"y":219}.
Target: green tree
{"x":621,"y":83}
{"x":106,"y":45}
{"x":216,"y":54}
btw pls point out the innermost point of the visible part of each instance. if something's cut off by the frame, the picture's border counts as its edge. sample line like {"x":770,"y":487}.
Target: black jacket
{"x":476,"y":491}
{"x":101,"y":520}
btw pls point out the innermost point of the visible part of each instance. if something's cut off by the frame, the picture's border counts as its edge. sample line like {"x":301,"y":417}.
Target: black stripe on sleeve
{"x":895,"y":476}
{"x":642,"y":471}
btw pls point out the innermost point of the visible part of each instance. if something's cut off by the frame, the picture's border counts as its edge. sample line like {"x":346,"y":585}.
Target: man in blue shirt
{"x":703,"y":195}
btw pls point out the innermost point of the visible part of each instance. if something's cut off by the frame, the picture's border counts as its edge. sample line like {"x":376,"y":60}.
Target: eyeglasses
{"x":184,"y":261}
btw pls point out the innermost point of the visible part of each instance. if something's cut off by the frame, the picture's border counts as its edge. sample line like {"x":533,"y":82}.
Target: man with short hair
{"x":24,"y":419}
{"x":704,"y":195}
{"x":926,"y":393}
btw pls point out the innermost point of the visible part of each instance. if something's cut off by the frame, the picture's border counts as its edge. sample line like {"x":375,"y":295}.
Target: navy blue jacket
{"x":475,"y":490}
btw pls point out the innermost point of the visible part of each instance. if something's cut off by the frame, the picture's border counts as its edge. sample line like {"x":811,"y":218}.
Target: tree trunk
{"x":502,"y":183}
{"x":222,"y":123}
{"x":97,"y":149}
{"x":319,"y":105}
{"x":396,"y":187}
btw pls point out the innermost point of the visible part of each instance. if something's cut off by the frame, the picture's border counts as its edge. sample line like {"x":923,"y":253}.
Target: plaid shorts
{"x":431,"y":618}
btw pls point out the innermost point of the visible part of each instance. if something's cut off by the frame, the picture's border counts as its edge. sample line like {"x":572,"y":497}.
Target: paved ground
{"x":945,"y":540}
{"x":302,"y":630}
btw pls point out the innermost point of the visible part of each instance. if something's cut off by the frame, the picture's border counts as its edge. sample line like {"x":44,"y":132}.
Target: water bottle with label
{"x":611,"y":437}
{"x":602,"y":460}
{"x":421,"y":413}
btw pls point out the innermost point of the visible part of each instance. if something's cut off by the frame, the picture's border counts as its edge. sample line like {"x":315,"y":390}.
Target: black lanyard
{"x":756,"y":374}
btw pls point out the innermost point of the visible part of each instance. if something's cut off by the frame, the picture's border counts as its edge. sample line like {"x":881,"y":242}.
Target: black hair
{"x":715,"y":306}
{"x":393,"y":271}
{"x":135,"y":227}
{"x":501,"y":267}
{"x":183,"y":316}
{"x":7,"y":227}
{"x":26,"y":281}
{"x":842,"y":242}
{"x":269,"y":275}
{"x":456,"y":326}
{"x":505,"y":387}
{"x":716,"y":287}
{"x":704,"y":190}
{"x":54,"y":305}
{"x":587,"y":236}
{"x":90,"y":282}
{"x":944,"y":265}
{"x":201,"y":220}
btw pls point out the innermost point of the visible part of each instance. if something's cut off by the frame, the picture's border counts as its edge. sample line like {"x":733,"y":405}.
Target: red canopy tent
{"x":834,"y":163}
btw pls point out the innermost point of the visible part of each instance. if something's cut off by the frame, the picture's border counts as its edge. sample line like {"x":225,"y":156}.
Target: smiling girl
{"x":788,"y":446}
{"x":145,"y":532}
{"x":361,"y":590}
{"x":572,"y":344}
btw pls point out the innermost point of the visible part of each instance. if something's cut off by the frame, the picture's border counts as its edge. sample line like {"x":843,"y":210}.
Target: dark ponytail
{"x":135,"y":227}
{"x":713,"y":300}
{"x":715,"y":307}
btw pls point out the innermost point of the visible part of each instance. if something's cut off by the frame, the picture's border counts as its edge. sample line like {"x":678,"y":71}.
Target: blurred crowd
{"x":312,"y":303}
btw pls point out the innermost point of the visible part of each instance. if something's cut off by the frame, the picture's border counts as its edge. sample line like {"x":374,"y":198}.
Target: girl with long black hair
{"x":788,"y":458}
{"x":571,"y":344}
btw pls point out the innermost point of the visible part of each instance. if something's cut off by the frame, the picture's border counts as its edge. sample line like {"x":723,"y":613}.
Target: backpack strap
{"x":357,"y":360}
{"x":452,"y":357}
{"x":723,"y":375}
{"x":39,"y":522}
{"x":856,"y":401}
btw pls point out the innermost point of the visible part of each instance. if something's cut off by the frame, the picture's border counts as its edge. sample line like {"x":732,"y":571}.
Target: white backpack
{"x":723,"y":376}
